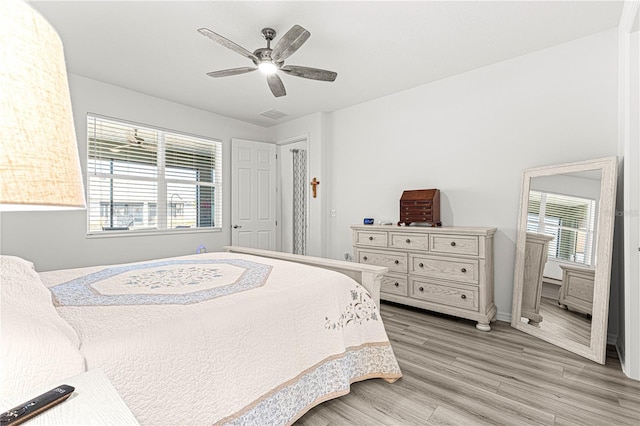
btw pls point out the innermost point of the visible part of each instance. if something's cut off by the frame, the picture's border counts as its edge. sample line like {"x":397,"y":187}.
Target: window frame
{"x":162,"y":182}
{"x":542,"y":221}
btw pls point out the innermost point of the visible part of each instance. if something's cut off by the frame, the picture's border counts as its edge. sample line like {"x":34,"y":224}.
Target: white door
{"x":253,"y":194}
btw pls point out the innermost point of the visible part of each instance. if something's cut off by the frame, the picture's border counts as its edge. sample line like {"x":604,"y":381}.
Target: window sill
{"x":148,"y":232}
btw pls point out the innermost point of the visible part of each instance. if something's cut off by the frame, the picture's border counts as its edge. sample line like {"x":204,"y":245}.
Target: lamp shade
{"x":39,"y":164}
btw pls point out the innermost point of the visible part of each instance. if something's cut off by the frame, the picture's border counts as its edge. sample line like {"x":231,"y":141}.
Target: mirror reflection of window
{"x":570,"y":220}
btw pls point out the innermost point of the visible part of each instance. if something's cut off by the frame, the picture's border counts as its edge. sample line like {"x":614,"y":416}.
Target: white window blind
{"x":146,"y":179}
{"x":570,"y":220}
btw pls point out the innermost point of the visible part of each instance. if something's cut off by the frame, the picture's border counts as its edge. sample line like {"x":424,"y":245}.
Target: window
{"x":570,"y":220}
{"x":146,"y":179}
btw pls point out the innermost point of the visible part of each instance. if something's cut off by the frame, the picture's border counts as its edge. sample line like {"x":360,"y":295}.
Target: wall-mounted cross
{"x":314,"y":183}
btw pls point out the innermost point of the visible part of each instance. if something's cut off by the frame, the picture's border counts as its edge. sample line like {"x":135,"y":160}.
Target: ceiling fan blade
{"x":289,"y":43}
{"x":228,"y":44}
{"x":276,"y":86}
{"x":231,"y":71}
{"x":311,"y":73}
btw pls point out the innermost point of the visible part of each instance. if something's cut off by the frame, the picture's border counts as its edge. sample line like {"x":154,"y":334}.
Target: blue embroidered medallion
{"x":170,"y":282}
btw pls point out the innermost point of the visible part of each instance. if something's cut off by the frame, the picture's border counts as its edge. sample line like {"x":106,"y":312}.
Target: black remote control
{"x":35,"y":406}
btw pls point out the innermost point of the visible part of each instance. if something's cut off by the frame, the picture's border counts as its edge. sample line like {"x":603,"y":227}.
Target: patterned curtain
{"x":299,"y":201}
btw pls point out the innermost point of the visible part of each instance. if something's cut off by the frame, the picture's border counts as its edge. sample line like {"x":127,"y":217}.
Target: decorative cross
{"x":314,"y":183}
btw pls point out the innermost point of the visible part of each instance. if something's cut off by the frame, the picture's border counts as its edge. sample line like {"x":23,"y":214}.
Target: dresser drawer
{"x":459,"y":296}
{"x":416,"y":209}
{"x":396,"y":262}
{"x":416,"y":203}
{"x":408,"y":241}
{"x":580,"y":288}
{"x":411,"y":217}
{"x":371,"y":238}
{"x":394,"y":284}
{"x":454,"y":244}
{"x":448,"y":268}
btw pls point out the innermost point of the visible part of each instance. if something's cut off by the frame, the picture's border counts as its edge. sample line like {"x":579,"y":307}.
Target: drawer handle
{"x":370,"y":238}
{"x":408,"y":241}
{"x":396,"y":262}
{"x":421,"y":289}
{"x":453,"y":243}
{"x":464,"y":296}
{"x":365,"y":258}
{"x":463,"y":270}
{"x":421,"y":265}
{"x":397,"y":284}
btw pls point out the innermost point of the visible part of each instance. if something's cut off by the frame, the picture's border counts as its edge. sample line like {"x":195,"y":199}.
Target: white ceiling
{"x":377,"y":48}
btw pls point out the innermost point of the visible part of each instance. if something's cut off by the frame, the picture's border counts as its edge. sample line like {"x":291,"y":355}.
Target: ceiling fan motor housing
{"x":264,"y":54}
{"x":268,"y":34}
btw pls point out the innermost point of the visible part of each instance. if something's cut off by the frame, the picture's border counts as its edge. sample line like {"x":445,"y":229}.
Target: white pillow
{"x":37,"y":346}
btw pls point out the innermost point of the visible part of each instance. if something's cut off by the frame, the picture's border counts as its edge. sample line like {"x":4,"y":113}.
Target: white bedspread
{"x":224,"y":337}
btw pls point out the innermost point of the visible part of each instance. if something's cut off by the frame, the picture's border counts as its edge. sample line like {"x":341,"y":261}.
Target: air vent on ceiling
{"x":273,"y":114}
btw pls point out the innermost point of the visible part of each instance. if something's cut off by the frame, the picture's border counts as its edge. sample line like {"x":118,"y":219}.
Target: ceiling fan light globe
{"x":267,"y":68}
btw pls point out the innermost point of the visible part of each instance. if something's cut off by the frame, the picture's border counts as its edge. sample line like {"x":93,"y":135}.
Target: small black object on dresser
{"x":420,"y":206}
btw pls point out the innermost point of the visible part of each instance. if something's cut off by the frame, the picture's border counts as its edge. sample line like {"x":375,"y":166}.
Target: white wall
{"x":471,"y":136}
{"x":628,"y":223}
{"x":632,"y":213}
{"x":569,"y":185}
{"x":632,"y":364}
{"x":58,"y":240}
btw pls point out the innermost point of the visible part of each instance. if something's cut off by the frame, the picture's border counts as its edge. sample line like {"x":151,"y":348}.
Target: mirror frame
{"x":596,"y":351}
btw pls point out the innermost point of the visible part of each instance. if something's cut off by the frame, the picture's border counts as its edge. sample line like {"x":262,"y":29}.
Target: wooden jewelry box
{"x":420,"y":205}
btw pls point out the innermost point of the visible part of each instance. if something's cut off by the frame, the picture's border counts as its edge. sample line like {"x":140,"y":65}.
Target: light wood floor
{"x":571,"y":325}
{"x":454,"y":374}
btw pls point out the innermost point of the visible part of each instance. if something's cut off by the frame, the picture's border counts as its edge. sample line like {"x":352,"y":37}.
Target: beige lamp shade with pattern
{"x":39,"y":164}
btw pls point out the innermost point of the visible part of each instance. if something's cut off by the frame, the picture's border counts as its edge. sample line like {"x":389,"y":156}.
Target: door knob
{"x":237,"y":226}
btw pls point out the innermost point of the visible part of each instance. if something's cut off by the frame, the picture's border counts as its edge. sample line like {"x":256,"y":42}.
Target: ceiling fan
{"x":135,"y":141}
{"x":269,"y":60}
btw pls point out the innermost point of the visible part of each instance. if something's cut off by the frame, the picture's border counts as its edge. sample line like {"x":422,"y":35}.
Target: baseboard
{"x":620,"y":350}
{"x":503,"y":316}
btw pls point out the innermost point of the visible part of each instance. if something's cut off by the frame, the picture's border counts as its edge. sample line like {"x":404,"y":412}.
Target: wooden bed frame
{"x":369,"y":276}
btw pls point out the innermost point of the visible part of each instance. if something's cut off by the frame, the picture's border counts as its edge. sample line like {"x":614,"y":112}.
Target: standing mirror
{"x":563,"y":255}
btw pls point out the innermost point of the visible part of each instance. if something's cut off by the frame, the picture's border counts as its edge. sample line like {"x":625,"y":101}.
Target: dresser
{"x":536,"y":253}
{"x":447,"y":270}
{"x":576,"y":292}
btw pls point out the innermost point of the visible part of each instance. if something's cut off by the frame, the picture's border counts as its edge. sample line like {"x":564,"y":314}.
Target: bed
{"x":238,"y":337}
